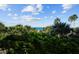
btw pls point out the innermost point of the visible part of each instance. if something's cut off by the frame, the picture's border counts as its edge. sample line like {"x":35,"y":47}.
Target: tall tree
{"x":57,"y":21}
{"x":73,"y":18}
{"x":2,"y":27}
{"x":60,"y":28}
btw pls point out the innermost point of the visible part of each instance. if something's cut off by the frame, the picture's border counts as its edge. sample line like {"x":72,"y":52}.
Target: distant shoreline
{"x":38,"y":28}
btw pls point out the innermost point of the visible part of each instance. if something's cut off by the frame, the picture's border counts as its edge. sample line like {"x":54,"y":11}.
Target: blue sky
{"x":36,"y":15}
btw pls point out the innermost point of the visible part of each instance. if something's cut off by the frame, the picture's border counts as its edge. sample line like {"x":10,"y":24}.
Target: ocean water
{"x":38,"y":28}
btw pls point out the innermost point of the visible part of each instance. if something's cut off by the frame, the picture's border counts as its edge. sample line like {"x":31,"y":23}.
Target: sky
{"x":37,"y":15}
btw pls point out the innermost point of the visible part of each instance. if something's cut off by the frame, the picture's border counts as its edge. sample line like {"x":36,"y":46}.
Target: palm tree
{"x":60,"y":28}
{"x":57,"y":21}
{"x":73,"y":18}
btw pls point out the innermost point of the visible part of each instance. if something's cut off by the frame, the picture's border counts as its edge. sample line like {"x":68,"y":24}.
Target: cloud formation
{"x":9,"y":9}
{"x":29,"y":18}
{"x":66,"y":7}
{"x":34,"y":9}
{"x":3,"y":7}
{"x":53,"y":12}
{"x":28,"y":9}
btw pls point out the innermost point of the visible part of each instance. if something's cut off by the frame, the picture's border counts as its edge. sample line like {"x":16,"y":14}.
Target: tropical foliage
{"x":55,"y":39}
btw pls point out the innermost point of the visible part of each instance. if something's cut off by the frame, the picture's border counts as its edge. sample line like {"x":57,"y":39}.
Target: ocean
{"x":39,"y":28}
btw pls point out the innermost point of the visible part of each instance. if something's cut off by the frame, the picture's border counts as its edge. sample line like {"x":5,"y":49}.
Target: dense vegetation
{"x":55,"y":39}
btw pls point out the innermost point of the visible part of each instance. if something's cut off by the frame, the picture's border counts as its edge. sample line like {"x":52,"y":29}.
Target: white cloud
{"x":15,"y":17}
{"x":66,"y":7}
{"x":9,"y":14}
{"x":35,"y":13}
{"x":3,"y":6}
{"x":64,"y":11}
{"x":9,"y":9}
{"x":15,"y":14}
{"x":29,"y":18}
{"x":28,"y":9}
{"x":34,"y":9}
{"x":48,"y":17}
{"x":39,"y":7}
{"x":53,"y":12}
